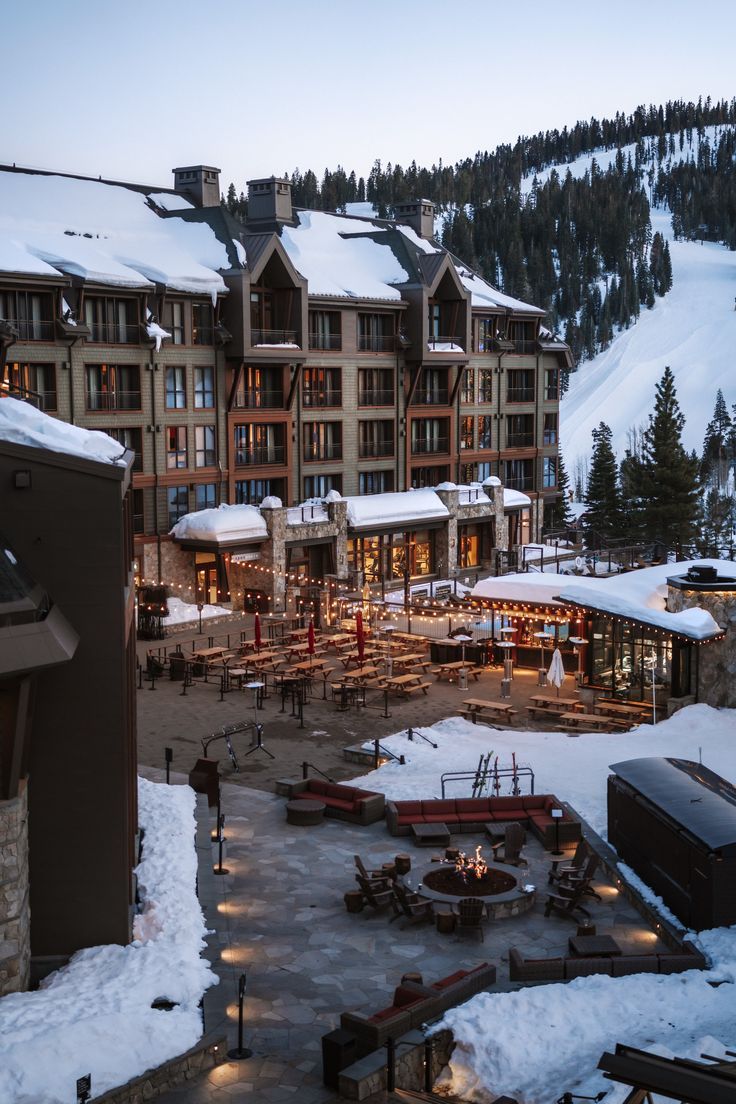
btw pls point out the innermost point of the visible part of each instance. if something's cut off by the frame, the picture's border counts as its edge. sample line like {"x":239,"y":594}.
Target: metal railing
{"x":520,"y":394}
{"x":519,"y":483}
{"x":113,"y":400}
{"x":376,"y":398}
{"x":258,"y":398}
{"x":420,"y":446}
{"x":487,"y":777}
{"x":371,"y":449}
{"x":30,"y":329}
{"x":296,"y":515}
{"x":273,"y":337}
{"x":202,"y":335}
{"x":323,"y":451}
{"x":525,"y":347}
{"x":435,"y":344}
{"x":275,"y":454}
{"x":114,"y":333}
{"x":327,"y":342}
{"x":519,"y":440}
{"x":322,"y":398}
{"x":431,"y":397}
{"x":376,"y":343}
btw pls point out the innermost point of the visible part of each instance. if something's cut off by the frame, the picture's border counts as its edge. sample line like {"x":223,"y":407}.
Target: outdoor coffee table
{"x":496,"y":829}
{"x":593,"y":946}
{"x":304,"y":812}
{"x":431,"y":835}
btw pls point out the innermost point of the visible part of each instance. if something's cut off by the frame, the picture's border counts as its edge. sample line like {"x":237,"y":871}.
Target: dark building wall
{"x":68,"y":528}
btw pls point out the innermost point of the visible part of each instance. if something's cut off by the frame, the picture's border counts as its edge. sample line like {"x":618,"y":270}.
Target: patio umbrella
{"x":360,"y":635}
{"x":257,"y":631}
{"x":310,"y":639}
{"x":556,"y":674}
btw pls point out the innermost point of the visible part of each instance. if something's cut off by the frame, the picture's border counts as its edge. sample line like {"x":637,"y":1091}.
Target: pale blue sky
{"x":131,"y":89}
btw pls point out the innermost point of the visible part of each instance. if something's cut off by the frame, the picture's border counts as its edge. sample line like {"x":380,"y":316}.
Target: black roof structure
{"x":681,"y":1079}
{"x":698,"y":799}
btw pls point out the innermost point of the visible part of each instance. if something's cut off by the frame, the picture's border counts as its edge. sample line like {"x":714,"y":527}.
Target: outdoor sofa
{"x":341,"y":801}
{"x":472,"y":814}
{"x":567,"y":967}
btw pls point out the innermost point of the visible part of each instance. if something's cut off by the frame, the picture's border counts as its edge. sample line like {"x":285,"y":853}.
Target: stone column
{"x":445,"y":540}
{"x":15,"y":917}
{"x":716,"y":660}
{"x":338,"y":515}
{"x":273,"y":552}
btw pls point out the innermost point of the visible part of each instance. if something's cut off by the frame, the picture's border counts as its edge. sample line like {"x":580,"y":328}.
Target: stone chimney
{"x":269,"y":204}
{"x":419,"y":214}
{"x":200,"y":183}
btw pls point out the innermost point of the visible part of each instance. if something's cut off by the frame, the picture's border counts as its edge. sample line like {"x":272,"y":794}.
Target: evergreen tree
{"x":670,"y":490}
{"x":560,"y":516}
{"x":714,"y":463}
{"x":604,"y":515}
{"x":718,"y":523}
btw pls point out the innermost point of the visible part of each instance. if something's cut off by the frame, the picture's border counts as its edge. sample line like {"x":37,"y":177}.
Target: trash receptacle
{"x":177,"y":666}
{"x":339,"y":1050}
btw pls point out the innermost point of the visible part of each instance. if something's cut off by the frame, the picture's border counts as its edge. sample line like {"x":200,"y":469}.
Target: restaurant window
{"x":550,"y":429}
{"x":204,"y":444}
{"x":37,"y":382}
{"x":317,"y":486}
{"x":204,"y":387}
{"x":177,"y":500}
{"x":375,"y":482}
{"x":176,"y":388}
{"x":549,"y":471}
{"x":469,"y":541}
{"x":111,"y":321}
{"x":467,"y":392}
{"x":467,"y":427}
{"x":28,"y":312}
{"x":631,"y":663}
{"x":392,"y":555}
{"x":321,"y":387}
{"x":205,"y":496}
{"x":112,"y":387}
{"x":173,"y":321}
{"x":176,"y":446}
{"x":202,"y":324}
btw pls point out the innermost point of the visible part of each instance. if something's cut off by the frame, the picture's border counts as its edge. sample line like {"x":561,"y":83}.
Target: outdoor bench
{"x":342,"y":802}
{"x":472,"y":814}
{"x":568,"y":967}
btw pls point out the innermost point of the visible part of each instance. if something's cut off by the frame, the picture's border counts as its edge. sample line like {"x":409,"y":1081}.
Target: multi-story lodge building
{"x":299,"y":354}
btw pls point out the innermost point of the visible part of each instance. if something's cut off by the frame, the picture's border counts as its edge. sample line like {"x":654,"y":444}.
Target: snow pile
{"x":339,"y":256}
{"x":521,"y":1043}
{"x":222,"y":523}
{"x":513,"y":500}
{"x":181,"y":613}
{"x":157,"y":333}
{"x":105,"y":233}
{"x":22,"y":424}
{"x":95,"y":1015}
{"x":398,"y":506}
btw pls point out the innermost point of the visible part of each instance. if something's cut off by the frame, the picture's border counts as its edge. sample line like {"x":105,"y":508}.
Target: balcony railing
{"x":113,"y":400}
{"x":446,"y":344}
{"x":431,"y":397}
{"x":376,"y":398}
{"x":203,"y":335}
{"x":273,"y":454}
{"x":421,"y":445}
{"x":550,"y":437}
{"x":259,"y":398}
{"x":484,"y":442}
{"x":328,"y":342}
{"x":273,"y":337}
{"x":376,"y":343}
{"x":323,"y":452}
{"x":31,"y":329}
{"x":519,"y":440}
{"x":519,"y":482}
{"x":372,"y":449}
{"x":113,"y":333}
{"x":322,"y":398}
{"x":525,"y":347}
{"x":520,"y":394}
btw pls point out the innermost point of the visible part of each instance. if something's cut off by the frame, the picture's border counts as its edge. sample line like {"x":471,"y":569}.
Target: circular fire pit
{"x":500,"y":888}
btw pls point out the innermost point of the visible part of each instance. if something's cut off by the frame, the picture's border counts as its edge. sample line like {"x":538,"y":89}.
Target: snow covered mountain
{"x":692,"y":329}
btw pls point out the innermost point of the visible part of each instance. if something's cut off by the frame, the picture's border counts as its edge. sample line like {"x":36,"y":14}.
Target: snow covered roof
{"x":635,"y":595}
{"x":225,"y":524}
{"x":365,"y":511}
{"x":512,"y":500}
{"x":106,"y":233}
{"x":22,"y":424}
{"x":483,"y":294}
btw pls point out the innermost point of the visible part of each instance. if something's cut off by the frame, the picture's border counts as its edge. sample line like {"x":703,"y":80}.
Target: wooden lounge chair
{"x":413,"y":908}
{"x":567,"y":902}
{"x":470,"y":912}
{"x":583,"y":876}
{"x":374,"y":895}
{"x":511,"y":845}
{"x":558,"y":871}
{"x":371,"y":875}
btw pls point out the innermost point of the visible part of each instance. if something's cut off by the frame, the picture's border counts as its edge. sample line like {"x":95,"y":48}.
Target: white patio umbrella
{"x":556,"y":674}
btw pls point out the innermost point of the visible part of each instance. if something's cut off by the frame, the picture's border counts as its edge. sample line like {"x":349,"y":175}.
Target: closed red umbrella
{"x":257,"y":631}
{"x":360,"y":635}
{"x":310,"y":638}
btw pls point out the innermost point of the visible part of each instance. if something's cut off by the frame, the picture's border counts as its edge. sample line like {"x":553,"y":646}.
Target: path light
{"x":168,"y":756}
{"x":240,"y":1052}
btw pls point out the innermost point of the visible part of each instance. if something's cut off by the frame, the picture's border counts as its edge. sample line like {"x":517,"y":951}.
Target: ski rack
{"x":225,"y":733}
{"x":515,"y":774}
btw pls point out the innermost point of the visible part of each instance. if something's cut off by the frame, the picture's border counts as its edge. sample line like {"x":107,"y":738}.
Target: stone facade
{"x":716,"y":660}
{"x":15,"y":918}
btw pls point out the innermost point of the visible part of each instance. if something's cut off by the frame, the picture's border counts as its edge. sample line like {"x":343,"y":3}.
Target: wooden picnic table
{"x":346,"y":658}
{"x":570,"y":704}
{"x":620,"y":709}
{"x":588,"y":721}
{"x":206,"y":655}
{"x":306,"y":665}
{"x":408,"y":684}
{"x":338,"y":640}
{"x":298,"y":634}
{"x":450,"y":669}
{"x":360,"y":675}
{"x":407,"y":660}
{"x":477,"y":707}
{"x":264,"y":657}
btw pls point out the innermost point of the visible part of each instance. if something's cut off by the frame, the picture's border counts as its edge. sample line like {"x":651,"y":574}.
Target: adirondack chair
{"x":371,"y":875}
{"x":583,"y":876}
{"x":560,"y":870}
{"x":374,"y":895}
{"x":413,"y":908}
{"x":566,"y":902}
{"x":470,"y":912}
{"x":511,"y":846}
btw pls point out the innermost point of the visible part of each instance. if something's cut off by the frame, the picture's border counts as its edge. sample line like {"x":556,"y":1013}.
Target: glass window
{"x":520,"y":385}
{"x":325,"y":330}
{"x":552,"y":384}
{"x":113,"y":387}
{"x":317,"y":486}
{"x":467,"y":428}
{"x":375,"y":387}
{"x":205,"y":496}
{"x":176,"y":447}
{"x":485,"y":431}
{"x":204,"y":443}
{"x":377,"y":482}
{"x":549,"y":471}
{"x":176,"y":390}
{"x":204,"y":387}
{"x":485,"y":385}
{"x":174,"y":321}
{"x":376,"y":438}
{"x":322,"y":387}
{"x":30,"y":313}
{"x":177,"y":499}
{"x":34,"y":381}
{"x":467,"y":394}
{"x":202,"y":324}
{"x":251,"y":492}
{"x":550,"y":429}
{"x":322,"y":440}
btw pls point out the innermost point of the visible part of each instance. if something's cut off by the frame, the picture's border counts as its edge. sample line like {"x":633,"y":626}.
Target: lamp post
{"x":462,"y":680}
{"x":556,"y":815}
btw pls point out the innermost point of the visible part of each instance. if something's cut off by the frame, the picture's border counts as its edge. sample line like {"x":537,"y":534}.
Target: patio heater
{"x":462,"y":676}
{"x":542,"y":672}
{"x":578,"y":642}
{"x":388,"y":629}
{"x":508,"y":666}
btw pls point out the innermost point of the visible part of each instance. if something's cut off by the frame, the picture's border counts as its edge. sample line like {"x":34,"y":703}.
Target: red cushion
{"x":410,"y":820}
{"x":316,"y":786}
{"x":434,"y":807}
{"x":441,"y":819}
{"x":472,"y":818}
{"x":450,"y":980}
{"x":534,"y":801}
{"x":333,"y":803}
{"x":345,"y":793}
{"x":471,"y":804}
{"x":409,"y":808}
{"x":384,"y":1014}
{"x":511,"y":814}
{"x":507,"y":805}
{"x":404,"y":996}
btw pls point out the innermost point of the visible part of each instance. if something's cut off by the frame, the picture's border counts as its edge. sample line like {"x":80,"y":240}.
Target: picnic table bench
{"x":452,"y":670}
{"x":408,"y":684}
{"x":354,"y":657}
{"x":479,"y":707}
{"x":355,"y":678}
{"x":314,"y":663}
{"x":588,"y":722}
{"x":546,"y":705}
{"x":621,"y":710}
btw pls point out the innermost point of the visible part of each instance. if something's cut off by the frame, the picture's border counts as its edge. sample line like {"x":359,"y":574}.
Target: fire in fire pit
{"x":470,"y":866}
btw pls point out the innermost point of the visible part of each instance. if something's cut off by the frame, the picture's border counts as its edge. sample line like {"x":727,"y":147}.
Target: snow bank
{"x":22,"y":424}
{"x":221,"y":523}
{"x":95,"y":1015}
{"x":512,"y":500}
{"x":181,"y":613}
{"x":399,"y":506}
